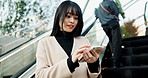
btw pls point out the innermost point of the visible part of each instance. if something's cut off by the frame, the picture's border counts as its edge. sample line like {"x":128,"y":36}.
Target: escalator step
{"x":126,"y":72}
{"x":135,"y":50}
{"x":135,"y":41}
{"x":135,"y":60}
{"x":135,"y":38}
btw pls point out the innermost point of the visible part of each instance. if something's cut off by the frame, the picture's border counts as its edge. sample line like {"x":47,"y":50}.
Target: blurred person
{"x":108,"y":16}
{"x":57,"y":55}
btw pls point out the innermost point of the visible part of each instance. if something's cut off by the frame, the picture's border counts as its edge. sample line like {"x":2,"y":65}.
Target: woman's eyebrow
{"x":72,"y":13}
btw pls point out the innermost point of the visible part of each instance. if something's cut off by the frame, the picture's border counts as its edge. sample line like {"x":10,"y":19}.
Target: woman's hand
{"x":78,"y":53}
{"x":90,"y":55}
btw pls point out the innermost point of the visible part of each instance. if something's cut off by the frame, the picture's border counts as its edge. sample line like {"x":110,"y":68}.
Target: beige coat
{"x":52,"y":60}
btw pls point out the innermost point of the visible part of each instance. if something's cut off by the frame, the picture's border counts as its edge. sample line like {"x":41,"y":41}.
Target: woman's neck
{"x":65,"y":34}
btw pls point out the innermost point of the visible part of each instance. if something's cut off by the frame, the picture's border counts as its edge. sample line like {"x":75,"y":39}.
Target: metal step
{"x":126,"y":72}
{"x":135,"y":50}
{"x":135,"y":41}
{"x":135,"y":60}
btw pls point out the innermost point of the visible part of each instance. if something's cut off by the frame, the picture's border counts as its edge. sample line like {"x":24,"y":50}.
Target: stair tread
{"x":128,"y":67}
{"x":134,"y":59}
{"x":135,"y":50}
{"x":135,"y":41}
{"x":126,"y":72}
{"x":135,"y":38}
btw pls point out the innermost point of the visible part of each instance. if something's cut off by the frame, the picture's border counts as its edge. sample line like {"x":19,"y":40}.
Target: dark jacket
{"x":105,"y":17}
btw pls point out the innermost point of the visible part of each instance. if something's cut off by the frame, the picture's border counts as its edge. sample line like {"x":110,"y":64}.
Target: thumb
{"x":80,"y":51}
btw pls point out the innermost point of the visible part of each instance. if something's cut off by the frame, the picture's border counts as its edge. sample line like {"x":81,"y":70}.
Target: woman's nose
{"x":72,"y":20}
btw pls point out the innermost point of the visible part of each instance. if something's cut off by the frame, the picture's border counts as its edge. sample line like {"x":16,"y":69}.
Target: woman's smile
{"x":70,"y":26}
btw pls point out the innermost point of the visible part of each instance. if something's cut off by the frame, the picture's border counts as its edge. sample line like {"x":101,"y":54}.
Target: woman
{"x":57,"y":55}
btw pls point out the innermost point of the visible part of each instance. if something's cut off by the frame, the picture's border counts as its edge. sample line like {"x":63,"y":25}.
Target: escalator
{"x":134,"y":59}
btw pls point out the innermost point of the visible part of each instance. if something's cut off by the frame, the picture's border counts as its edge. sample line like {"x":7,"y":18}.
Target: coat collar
{"x":62,"y":50}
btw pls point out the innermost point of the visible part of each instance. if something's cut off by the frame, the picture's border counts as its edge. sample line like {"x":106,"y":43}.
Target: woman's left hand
{"x":90,"y":55}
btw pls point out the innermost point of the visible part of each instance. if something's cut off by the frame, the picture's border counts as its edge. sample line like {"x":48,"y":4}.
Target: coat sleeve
{"x":93,"y":75}
{"x":44,"y":70}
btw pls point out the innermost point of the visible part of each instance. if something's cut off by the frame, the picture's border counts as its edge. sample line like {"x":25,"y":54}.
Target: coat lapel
{"x":62,"y":52}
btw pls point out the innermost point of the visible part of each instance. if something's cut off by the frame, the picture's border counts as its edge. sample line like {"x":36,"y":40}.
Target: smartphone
{"x":97,"y":49}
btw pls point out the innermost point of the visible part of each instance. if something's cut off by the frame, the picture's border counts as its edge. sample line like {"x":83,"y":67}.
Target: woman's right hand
{"x":78,"y":53}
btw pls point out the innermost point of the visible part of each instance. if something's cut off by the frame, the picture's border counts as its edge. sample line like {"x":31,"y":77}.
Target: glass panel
{"x":97,"y":35}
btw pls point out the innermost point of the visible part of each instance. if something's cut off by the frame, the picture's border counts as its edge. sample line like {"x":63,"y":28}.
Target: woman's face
{"x":70,"y":22}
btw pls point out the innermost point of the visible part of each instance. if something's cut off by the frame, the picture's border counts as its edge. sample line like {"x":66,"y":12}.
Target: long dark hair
{"x":60,"y":14}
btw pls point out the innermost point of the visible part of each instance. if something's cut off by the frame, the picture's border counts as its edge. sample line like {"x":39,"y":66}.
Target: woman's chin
{"x":68,"y":31}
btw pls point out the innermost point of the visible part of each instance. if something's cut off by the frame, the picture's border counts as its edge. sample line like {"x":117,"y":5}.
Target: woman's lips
{"x":70,"y":26}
